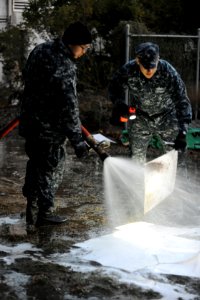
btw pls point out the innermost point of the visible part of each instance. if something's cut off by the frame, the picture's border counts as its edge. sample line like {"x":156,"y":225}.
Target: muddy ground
{"x":80,"y":197}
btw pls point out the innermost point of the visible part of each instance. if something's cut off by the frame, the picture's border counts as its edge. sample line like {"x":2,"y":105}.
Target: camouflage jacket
{"x":161,"y":98}
{"x":49,"y":106}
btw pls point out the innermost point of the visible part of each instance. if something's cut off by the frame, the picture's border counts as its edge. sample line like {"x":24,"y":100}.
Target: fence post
{"x":127,"y":53}
{"x":127,"y":43}
{"x":197,"y":76}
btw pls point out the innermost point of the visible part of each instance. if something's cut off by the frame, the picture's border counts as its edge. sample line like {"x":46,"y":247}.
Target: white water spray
{"x":124,"y":197}
{"x":124,"y":190}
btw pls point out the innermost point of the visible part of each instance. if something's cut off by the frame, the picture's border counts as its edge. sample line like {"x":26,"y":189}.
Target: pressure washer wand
{"x":96,"y":146}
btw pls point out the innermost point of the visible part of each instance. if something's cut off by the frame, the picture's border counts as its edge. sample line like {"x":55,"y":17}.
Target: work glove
{"x":180,"y":142}
{"x":81,"y":149}
{"x":103,"y":156}
{"x":119,"y":110}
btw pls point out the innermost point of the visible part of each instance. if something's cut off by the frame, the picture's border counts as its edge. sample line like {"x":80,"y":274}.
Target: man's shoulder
{"x":48,"y":50}
{"x":129,"y":67}
{"x":131,"y":63}
{"x":166,"y":65}
{"x":42,"y":45}
{"x":41,"y":48}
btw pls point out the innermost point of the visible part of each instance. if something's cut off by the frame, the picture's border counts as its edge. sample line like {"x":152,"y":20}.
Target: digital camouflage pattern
{"x":50,"y":106}
{"x":162,"y":105}
{"x":44,"y":172}
{"x":49,"y":115}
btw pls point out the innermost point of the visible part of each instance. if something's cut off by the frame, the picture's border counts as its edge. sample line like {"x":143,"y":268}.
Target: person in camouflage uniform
{"x":159,"y":96}
{"x":50,"y":115}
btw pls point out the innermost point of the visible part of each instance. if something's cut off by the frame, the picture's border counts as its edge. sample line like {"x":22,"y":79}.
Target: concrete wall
{"x":3,"y":13}
{"x":11,"y":12}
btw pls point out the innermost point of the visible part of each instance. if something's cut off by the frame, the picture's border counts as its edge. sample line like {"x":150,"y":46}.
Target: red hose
{"x":15,"y":122}
{"x":85,"y":131}
{"x":88,"y":136}
{"x":9,"y":127}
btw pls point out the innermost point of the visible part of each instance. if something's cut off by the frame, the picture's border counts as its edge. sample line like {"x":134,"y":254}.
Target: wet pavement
{"x":27,"y":270}
{"x":79,"y":196}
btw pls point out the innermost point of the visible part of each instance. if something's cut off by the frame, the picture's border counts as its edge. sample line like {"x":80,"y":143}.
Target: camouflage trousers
{"x":141,"y":132}
{"x":44,"y":170}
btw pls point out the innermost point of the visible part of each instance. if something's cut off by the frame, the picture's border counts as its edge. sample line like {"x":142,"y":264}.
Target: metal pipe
{"x":127,"y":43}
{"x":126,"y":60}
{"x":164,"y":35}
{"x":197,"y":76}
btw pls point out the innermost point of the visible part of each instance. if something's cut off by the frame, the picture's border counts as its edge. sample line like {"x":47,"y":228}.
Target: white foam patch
{"x":20,"y":251}
{"x":143,"y":245}
{"x":141,"y":253}
{"x":8,"y":220}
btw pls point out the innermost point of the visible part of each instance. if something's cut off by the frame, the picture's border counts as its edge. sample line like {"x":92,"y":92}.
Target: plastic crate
{"x":193,"y":138}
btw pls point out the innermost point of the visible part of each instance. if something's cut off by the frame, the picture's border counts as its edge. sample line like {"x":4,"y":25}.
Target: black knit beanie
{"x":77,"y":34}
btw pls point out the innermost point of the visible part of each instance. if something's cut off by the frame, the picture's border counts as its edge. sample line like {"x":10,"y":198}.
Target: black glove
{"x":119,"y":110}
{"x":81,"y":149}
{"x":103,"y":156}
{"x":180,"y":142}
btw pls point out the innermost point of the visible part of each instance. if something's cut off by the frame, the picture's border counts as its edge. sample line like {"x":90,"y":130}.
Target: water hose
{"x":9,"y":127}
{"x":96,"y":146}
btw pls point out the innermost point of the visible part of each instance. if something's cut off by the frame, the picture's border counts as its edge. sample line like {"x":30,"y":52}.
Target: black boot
{"x":50,"y":217}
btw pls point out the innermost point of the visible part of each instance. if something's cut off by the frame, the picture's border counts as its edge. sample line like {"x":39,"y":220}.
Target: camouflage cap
{"x":148,"y":54}
{"x":77,"y":34}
